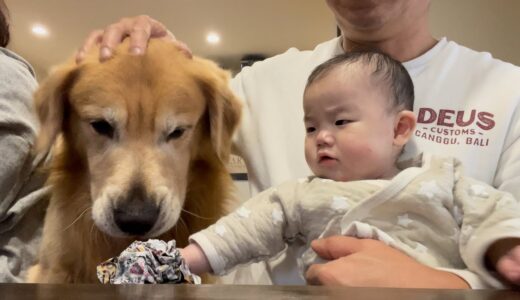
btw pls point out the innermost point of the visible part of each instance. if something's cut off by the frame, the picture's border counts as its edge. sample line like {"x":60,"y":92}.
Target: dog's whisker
{"x":183,"y":223}
{"x":78,"y":217}
{"x":91,"y":230}
{"x":195,"y":215}
{"x":94,"y":234}
{"x":180,"y":222}
{"x":105,"y":238}
{"x":98,"y":237}
{"x":101,"y":238}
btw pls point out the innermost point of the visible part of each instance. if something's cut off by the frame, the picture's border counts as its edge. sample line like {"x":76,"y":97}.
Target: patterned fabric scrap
{"x":153,"y":261}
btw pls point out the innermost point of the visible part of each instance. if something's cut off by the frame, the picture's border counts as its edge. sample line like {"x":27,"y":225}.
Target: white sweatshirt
{"x":466,"y":101}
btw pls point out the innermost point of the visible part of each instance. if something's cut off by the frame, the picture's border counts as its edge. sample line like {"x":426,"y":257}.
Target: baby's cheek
{"x":309,"y":154}
{"x":358,"y":149}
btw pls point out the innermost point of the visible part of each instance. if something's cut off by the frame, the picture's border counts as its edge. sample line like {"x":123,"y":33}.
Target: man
{"x":466,"y":103}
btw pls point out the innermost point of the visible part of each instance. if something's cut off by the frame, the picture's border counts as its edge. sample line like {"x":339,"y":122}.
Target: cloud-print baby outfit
{"x":429,"y":211}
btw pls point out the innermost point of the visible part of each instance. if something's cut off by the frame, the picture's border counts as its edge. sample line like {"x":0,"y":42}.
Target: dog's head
{"x":134,"y":125}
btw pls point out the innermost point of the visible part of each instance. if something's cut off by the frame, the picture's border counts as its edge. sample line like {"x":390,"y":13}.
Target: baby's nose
{"x":324,"y":137}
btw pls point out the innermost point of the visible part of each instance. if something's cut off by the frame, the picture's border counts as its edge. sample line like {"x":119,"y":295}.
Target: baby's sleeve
{"x":257,"y":230}
{"x":487,"y":215}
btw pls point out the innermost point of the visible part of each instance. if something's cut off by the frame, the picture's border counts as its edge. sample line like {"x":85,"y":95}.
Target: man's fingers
{"x":92,"y":40}
{"x":112,"y":36}
{"x":139,"y":40}
{"x":312,"y":274}
{"x":138,"y":29}
{"x":334,"y":247}
{"x":158,"y":30}
{"x":169,"y":36}
{"x":319,"y":274}
{"x":143,"y":28}
{"x":184,"y":48}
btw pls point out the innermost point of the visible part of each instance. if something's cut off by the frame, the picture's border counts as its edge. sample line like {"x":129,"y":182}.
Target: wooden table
{"x":99,"y":292}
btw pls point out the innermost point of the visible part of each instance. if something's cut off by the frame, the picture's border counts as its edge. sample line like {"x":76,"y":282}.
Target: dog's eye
{"x":102,"y":127}
{"x":177,"y":133}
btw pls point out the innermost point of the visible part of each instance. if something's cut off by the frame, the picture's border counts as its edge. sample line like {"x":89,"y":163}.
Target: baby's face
{"x":350,"y":131}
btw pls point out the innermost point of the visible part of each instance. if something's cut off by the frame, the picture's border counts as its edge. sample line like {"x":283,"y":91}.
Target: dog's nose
{"x":137,"y":214}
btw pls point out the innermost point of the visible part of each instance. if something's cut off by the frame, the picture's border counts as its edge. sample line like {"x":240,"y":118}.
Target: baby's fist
{"x":509,"y":265}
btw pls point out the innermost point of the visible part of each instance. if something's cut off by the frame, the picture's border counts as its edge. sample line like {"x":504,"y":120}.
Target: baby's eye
{"x":341,"y":122}
{"x":310,"y":129}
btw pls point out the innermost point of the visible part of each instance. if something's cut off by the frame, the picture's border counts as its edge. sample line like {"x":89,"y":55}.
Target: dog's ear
{"x":50,"y":100}
{"x":224,"y":109}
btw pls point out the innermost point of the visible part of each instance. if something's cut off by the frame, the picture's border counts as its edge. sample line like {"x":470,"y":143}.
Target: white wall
{"x":485,"y":25}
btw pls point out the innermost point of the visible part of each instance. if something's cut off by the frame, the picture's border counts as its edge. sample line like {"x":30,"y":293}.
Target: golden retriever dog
{"x":140,"y":145}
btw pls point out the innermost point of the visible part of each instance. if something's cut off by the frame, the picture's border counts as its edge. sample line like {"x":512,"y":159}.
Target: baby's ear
{"x":404,"y":127}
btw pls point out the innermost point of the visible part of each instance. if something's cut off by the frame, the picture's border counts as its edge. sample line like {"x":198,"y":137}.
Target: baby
{"x":358,"y":117}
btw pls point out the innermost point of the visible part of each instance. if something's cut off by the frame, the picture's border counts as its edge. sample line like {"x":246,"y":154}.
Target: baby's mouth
{"x":325,"y":158}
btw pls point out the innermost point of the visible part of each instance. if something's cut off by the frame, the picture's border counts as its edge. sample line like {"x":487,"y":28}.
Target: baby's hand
{"x":509,"y":265}
{"x":196,"y":259}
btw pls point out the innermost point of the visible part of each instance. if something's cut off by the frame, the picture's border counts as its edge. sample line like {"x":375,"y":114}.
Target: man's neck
{"x":402,"y":48}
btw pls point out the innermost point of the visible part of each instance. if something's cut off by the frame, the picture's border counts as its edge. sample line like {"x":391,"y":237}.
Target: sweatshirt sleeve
{"x":488,"y":215}
{"x":18,"y":126}
{"x":259,"y":229}
{"x":507,"y":176}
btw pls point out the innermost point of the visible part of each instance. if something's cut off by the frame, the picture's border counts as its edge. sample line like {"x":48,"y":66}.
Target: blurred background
{"x":245,"y":27}
{"x":47,"y":32}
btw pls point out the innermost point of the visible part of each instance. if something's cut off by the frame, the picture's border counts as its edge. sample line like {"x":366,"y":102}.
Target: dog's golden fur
{"x":158,"y":125}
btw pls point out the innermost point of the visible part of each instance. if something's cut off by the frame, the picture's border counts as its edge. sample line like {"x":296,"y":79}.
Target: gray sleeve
{"x":487,"y":215}
{"x":20,"y":186}
{"x":257,"y":230}
{"x":18,"y":126}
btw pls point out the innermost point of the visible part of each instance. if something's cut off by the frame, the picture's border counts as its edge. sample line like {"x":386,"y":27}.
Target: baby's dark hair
{"x":384,"y":68}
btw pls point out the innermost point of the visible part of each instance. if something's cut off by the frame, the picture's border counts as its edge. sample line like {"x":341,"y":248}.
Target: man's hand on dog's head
{"x":139,"y":30}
